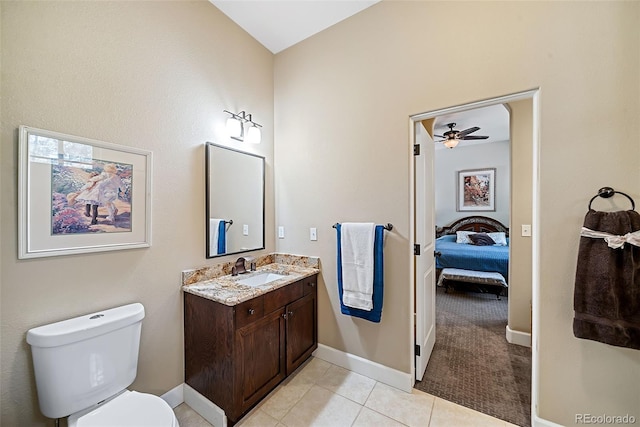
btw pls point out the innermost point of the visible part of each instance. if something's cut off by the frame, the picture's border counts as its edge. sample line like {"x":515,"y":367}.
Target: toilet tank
{"x":81,"y":361}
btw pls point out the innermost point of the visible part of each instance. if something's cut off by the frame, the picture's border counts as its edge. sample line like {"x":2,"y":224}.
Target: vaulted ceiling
{"x":280,"y":24}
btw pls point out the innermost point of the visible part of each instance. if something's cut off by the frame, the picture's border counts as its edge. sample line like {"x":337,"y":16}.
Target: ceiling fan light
{"x":450,"y":143}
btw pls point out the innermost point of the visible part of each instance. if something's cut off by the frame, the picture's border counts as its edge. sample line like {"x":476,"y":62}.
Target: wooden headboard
{"x":479,"y":224}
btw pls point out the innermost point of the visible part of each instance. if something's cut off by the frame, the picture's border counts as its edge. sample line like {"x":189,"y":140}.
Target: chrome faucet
{"x":239,"y":267}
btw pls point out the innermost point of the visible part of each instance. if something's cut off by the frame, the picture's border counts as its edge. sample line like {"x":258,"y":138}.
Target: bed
{"x":471,"y":257}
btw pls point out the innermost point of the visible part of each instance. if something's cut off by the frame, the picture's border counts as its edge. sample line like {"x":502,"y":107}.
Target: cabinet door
{"x":302,"y":331}
{"x":261,"y":347}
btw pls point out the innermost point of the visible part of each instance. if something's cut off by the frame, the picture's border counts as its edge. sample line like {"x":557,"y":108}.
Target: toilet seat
{"x":128,"y":409}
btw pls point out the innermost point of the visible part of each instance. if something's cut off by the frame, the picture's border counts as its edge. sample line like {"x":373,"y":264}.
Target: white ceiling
{"x":279,"y":24}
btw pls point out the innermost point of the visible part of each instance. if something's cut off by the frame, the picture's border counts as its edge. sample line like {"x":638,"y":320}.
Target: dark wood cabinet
{"x":235,"y":355}
{"x":301,"y":326}
{"x":261,"y":362}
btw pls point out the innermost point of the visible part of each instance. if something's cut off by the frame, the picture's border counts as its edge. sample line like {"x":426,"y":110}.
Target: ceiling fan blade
{"x":467,"y":131}
{"x":440,"y":136}
{"x":468,"y":137}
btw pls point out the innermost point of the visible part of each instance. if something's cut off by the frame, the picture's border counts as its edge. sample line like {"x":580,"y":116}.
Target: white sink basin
{"x":261,"y":279}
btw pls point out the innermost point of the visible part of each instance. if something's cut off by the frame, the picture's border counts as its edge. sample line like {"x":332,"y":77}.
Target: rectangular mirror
{"x":234,"y":201}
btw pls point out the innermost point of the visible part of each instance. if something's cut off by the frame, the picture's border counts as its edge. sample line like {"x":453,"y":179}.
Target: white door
{"x":425,"y":291}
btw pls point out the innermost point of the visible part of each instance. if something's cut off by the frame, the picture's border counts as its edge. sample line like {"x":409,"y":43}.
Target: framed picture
{"x":77,"y":195}
{"x":477,"y":190}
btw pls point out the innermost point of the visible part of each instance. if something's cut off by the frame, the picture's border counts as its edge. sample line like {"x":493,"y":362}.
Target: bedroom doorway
{"x":524,"y":161}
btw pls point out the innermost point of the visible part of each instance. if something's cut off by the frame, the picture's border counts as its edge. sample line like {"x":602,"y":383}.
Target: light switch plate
{"x":280,"y":232}
{"x":245,"y":229}
{"x":526,"y":230}
{"x":313,"y":234}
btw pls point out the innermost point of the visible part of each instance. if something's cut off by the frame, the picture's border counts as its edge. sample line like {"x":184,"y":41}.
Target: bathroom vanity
{"x":242,"y":340}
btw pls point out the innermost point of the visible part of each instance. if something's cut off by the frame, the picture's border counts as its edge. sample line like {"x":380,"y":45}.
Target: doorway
{"x":424,"y":290}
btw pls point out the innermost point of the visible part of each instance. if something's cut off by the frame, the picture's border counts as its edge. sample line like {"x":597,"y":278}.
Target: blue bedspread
{"x":472,"y":257}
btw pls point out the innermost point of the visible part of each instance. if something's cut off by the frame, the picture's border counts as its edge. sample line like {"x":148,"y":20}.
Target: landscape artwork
{"x":476,"y":190}
{"x":94,"y":198}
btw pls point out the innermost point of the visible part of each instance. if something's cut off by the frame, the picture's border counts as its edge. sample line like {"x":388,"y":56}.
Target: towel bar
{"x":387,"y":227}
{"x":606,"y":192}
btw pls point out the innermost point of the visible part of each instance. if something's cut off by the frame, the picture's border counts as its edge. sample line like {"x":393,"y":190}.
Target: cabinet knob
{"x":284,"y":315}
{"x":312,"y":284}
{"x":290,"y":313}
{"x":251,"y":311}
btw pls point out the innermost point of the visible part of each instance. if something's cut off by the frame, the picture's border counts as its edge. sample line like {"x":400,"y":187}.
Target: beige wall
{"x":343,"y":101}
{"x":521,"y":126}
{"x":152,"y":75}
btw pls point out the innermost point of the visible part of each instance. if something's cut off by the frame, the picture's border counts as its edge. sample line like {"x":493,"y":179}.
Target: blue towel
{"x":222,"y":237}
{"x":378,"y":279}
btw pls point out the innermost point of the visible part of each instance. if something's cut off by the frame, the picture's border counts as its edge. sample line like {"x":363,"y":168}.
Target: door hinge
{"x":416,"y":149}
{"x":417,"y":350}
{"x":416,"y":249}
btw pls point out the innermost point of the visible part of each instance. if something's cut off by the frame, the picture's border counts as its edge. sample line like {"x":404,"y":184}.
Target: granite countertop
{"x":226,"y":289}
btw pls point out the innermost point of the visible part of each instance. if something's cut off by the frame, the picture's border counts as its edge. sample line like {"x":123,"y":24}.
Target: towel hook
{"x":606,"y":192}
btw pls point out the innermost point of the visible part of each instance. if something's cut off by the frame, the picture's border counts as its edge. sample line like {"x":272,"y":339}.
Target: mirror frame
{"x":208,"y":147}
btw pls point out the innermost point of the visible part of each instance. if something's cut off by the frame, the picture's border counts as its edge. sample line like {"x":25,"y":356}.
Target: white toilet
{"x":84,"y":365}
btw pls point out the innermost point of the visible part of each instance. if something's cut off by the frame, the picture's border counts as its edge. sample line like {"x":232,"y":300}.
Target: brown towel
{"x":607,"y":289}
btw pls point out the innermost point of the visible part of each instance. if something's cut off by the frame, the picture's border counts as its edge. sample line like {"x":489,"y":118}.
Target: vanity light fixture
{"x":236,"y":127}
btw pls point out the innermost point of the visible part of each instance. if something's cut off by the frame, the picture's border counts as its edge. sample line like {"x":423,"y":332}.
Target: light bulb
{"x":234,"y":127}
{"x":253,"y":135}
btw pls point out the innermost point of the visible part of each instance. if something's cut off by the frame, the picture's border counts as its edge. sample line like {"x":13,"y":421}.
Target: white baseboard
{"x":519,"y":338}
{"x":175,"y":396}
{"x":203,"y":406}
{"x":536,"y":421}
{"x":359,"y":365}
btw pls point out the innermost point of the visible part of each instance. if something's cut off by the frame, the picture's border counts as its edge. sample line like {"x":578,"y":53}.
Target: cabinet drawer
{"x":249,"y":311}
{"x":309,"y":285}
{"x":283,"y":296}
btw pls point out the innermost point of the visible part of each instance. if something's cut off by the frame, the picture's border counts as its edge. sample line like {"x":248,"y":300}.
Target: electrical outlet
{"x":245,"y":230}
{"x":281,"y":232}
{"x":526,"y":230}
{"x":313,"y":234}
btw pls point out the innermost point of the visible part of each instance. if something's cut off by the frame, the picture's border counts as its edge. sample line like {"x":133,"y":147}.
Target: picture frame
{"x":78,"y":195}
{"x":476,"y":190}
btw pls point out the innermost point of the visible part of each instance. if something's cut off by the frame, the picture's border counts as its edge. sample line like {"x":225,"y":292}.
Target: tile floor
{"x":322,"y":394}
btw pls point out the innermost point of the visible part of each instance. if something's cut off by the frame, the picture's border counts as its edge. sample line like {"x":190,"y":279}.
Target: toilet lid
{"x":129,"y":409}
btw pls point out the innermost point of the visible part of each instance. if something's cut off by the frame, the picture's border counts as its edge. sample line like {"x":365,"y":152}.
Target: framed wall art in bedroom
{"x":476,"y":190}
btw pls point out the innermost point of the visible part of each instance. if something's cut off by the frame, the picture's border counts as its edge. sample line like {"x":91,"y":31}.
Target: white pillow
{"x":463,"y":237}
{"x":499,"y":237}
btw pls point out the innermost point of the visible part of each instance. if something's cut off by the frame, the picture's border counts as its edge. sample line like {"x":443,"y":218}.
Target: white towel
{"x":214,"y":223}
{"x":357,"y":264}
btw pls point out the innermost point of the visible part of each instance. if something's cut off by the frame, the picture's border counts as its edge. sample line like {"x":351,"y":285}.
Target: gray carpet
{"x":472,"y":363}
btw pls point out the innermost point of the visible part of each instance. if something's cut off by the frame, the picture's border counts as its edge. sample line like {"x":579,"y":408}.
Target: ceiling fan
{"x":452,"y":136}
